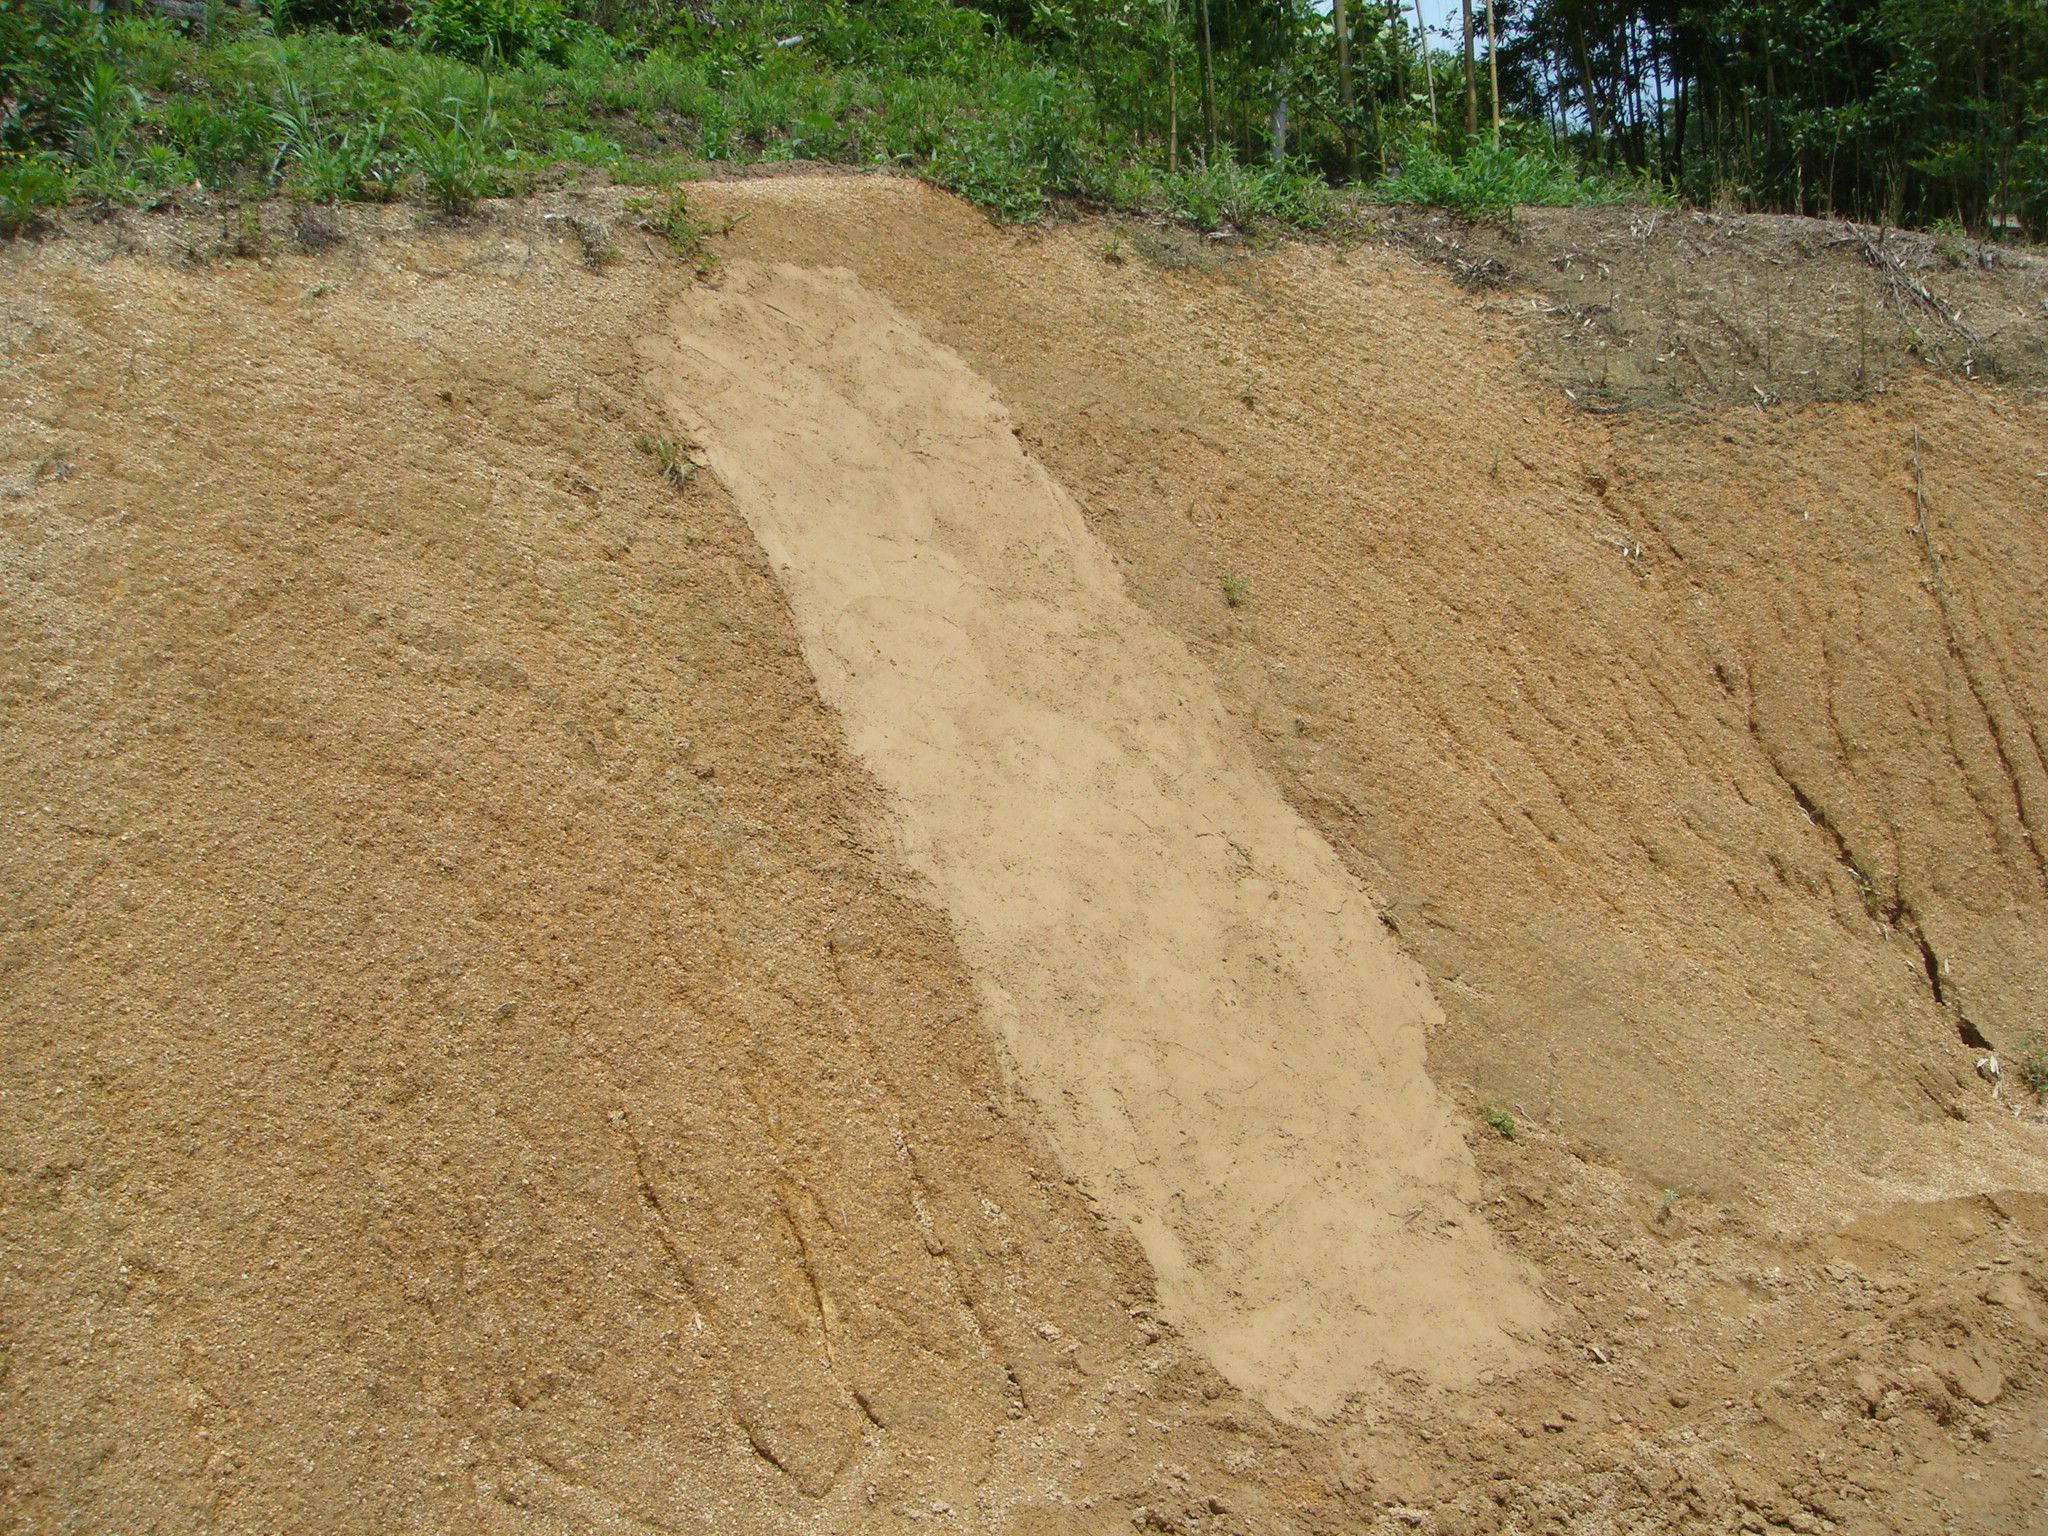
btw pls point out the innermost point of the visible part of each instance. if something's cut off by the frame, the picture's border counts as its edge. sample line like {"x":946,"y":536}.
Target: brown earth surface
{"x":510,"y":1025}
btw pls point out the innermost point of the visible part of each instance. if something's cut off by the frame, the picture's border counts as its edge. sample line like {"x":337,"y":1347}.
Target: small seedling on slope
{"x":1496,"y":1118}
{"x":676,"y":469}
{"x":1236,"y":590}
{"x":687,"y":234}
{"x":2030,"y":1062}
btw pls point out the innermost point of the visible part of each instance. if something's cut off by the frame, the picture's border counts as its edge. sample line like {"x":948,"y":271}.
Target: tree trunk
{"x":1428,"y":73}
{"x":1280,"y":116}
{"x":1657,"y":67}
{"x":1345,"y":101}
{"x":1493,"y":72}
{"x":1471,"y":80}
{"x":1172,"y":88}
{"x":1678,"y":114}
{"x":1208,"y":81}
{"x":1586,"y":82}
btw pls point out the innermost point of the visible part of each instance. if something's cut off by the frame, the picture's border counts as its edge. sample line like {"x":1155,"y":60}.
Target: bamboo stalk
{"x":1428,"y":73}
{"x":1344,"y":96}
{"x":1471,"y":80}
{"x":1493,"y":72}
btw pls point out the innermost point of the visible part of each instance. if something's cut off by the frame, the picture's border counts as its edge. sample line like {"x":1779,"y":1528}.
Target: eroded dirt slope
{"x":1477,"y":667}
{"x":1221,"y":1038}
{"x":470,"y":1061}
{"x":477,"y":1056}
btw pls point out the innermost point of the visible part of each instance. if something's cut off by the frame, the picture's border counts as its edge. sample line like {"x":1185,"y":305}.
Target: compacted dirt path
{"x":1225,"y":1041}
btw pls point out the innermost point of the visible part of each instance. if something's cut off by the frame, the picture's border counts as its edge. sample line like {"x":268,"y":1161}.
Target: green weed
{"x":688,"y":234}
{"x":31,"y":188}
{"x":669,"y":457}
{"x":2030,"y":1062}
{"x":1496,"y":1118}
{"x":247,"y":239}
{"x":1236,"y":590}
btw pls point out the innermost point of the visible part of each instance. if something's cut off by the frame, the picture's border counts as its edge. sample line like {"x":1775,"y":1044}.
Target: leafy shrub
{"x":46,"y":46}
{"x":454,"y":147}
{"x":1488,"y":180}
{"x":507,"y":30}
{"x":2030,"y":1061}
{"x":989,"y":164}
{"x":220,"y":138}
{"x":1023,"y":142}
{"x":1246,"y":196}
{"x":31,"y":186}
{"x":365,"y":16}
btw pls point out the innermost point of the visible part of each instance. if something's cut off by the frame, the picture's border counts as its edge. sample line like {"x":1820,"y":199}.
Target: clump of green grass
{"x":1236,"y":590}
{"x":2030,"y":1062}
{"x":1497,"y":1118}
{"x":688,"y":233}
{"x":1226,"y":195}
{"x":32,"y":187}
{"x":669,"y":458}
{"x":455,"y":146}
{"x":323,"y":165}
{"x":1488,"y":180}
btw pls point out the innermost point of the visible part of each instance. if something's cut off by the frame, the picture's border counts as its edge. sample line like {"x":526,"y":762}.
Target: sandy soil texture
{"x":542,"y":998}
{"x":1474,"y":664}
{"x":1225,"y":1043}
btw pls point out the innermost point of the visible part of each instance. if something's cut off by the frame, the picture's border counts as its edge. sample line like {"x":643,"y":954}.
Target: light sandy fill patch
{"x":1225,"y":1045}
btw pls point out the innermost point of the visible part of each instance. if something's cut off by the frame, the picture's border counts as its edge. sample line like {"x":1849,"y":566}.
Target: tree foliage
{"x":1906,"y":110}
{"x":1903,"y":110}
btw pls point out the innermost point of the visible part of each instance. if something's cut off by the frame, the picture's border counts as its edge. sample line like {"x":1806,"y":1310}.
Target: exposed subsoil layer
{"x":1555,"y":710}
{"x":1224,"y":1042}
{"x":483,"y":1053}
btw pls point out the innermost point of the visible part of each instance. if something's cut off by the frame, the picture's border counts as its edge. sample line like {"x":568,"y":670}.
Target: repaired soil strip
{"x":1225,"y":1045}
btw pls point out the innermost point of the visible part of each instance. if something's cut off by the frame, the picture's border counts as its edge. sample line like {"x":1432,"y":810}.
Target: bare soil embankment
{"x":1223,"y":1041}
{"x":489,"y":1049}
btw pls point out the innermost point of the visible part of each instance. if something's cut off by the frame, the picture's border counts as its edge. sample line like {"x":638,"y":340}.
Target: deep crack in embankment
{"x":1895,"y":912}
{"x":1963,"y":651}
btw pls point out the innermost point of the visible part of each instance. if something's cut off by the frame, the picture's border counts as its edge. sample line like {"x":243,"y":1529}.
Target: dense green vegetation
{"x":1906,"y":110}
{"x":1222,"y":112}
{"x":458,"y":99}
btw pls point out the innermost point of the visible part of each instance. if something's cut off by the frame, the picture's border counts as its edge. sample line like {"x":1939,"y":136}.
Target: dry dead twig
{"x":1906,"y":290}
